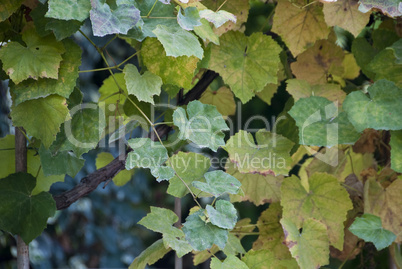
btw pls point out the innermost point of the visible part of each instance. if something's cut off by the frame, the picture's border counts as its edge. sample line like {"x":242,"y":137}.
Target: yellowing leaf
{"x":317,"y":64}
{"x":299,"y":27}
{"x":247,"y":64}
{"x":350,"y":68}
{"x":385,"y":203}
{"x":322,"y":198}
{"x":223,"y":100}
{"x":345,"y":14}
{"x":309,"y":247}
{"x":265,"y":259}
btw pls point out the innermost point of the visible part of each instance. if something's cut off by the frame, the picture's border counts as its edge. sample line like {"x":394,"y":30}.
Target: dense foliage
{"x":327,"y":168}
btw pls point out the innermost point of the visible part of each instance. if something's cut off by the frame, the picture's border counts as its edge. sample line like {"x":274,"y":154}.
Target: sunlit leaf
{"x":161,"y":220}
{"x":223,"y":99}
{"x":229,"y":263}
{"x":247,"y":64}
{"x":217,"y":18}
{"x":300,"y":27}
{"x":324,"y":199}
{"x":218,"y":183}
{"x":69,"y":9}
{"x":181,"y":246}
{"x":190,"y":19}
{"x":19,"y":207}
{"x":269,"y":156}
{"x":206,"y":33}
{"x":265,"y":259}
{"x":379,"y":109}
{"x":150,"y":255}
{"x":202,"y":125}
{"x":369,"y":228}
{"x":224,"y":216}
{"x":310,"y":247}
{"x":396,"y":150}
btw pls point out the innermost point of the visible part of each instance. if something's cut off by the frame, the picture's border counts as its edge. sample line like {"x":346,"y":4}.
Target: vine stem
{"x":224,"y":2}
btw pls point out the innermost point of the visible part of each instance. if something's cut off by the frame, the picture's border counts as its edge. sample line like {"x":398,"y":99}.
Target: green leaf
{"x":229,"y":263}
{"x":63,"y":162}
{"x":181,"y":246}
{"x":321,"y":124}
{"x":385,"y":66}
{"x":69,"y":9}
{"x":83,"y":132}
{"x":189,"y":167}
{"x":223,"y":99}
{"x":109,"y":92}
{"x":106,"y":21}
{"x":63,"y":29}
{"x":218,"y":183}
{"x":247,"y":64}
{"x":396,"y":150}
{"x":256,"y":188}
{"x":8,"y":7}
{"x":150,"y":255}
{"x":322,"y":198}
{"x":203,"y":126}
{"x":397,"y":49}
{"x":270,"y":156}
{"x":369,"y":228}
{"x":310,"y":248}
{"x":124,"y":176}
{"x":298,"y":25}
{"x":224,"y":216}
{"x":190,"y":19}
{"x":7,"y":165}
{"x":178,"y":42}
{"x":206,"y":33}
{"x":265,"y":259}
{"x":149,"y":154}
{"x":217,"y":18}
{"x":21,"y":212}
{"x":364,"y":53}
{"x":31,"y":115}
{"x":144,"y":86}
{"x":161,"y":220}
{"x":40,"y":58}
{"x":380,"y":109}
{"x":176,"y":71}
{"x":202,"y":235}
{"x":389,"y":7}
{"x":42,"y":87}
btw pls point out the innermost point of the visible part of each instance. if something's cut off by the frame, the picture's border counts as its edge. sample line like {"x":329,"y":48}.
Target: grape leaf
{"x":259,"y":189}
{"x":239,"y":8}
{"x":150,"y":255}
{"x":69,"y":9}
{"x":324,"y":199}
{"x":299,"y":27}
{"x":7,"y":165}
{"x":268,"y":92}
{"x":202,"y":235}
{"x":229,"y":263}
{"x":247,"y":64}
{"x":217,"y":18}
{"x":104,"y":158}
{"x":161,"y":220}
{"x":380,"y":109}
{"x":270,"y":156}
{"x":218,"y":183}
{"x":310,"y":248}
{"x":149,"y":154}
{"x":178,"y":42}
{"x":30,"y":115}
{"x":364,"y":53}
{"x":318,"y":63}
{"x":62,"y":163}
{"x":144,"y":86}
{"x":189,"y":167}
{"x":385,"y":67}
{"x":205,"y":32}
{"x":299,"y":88}
{"x":19,"y":207}
{"x":369,"y":228}
{"x":388,"y":7}
{"x":385,"y":203}
{"x":8,"y":7}
{"x":190,"y":19}
{"x":345,"y":14}
{"x":109,"y":89}
{"x":82,"y":132}
{"x":321,"y":124}
{"x":265,"y":259}
{"x":203,"y":126}
{"x":224,"y":216}
{"x":350,"y":68}
{"x":396,"y":150}
{"x":62,"y":29}
{"x":176,"y":71}
{"x":223,"y":99}
{"x":397,"y":49}
{"x":40,"y":58}
{"x":181,"y":246}
{"x":106,"y":21}
{"x":42,"y":87}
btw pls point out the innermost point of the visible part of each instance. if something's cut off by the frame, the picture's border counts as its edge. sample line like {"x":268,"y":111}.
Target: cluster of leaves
{"x":342,"y":95}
